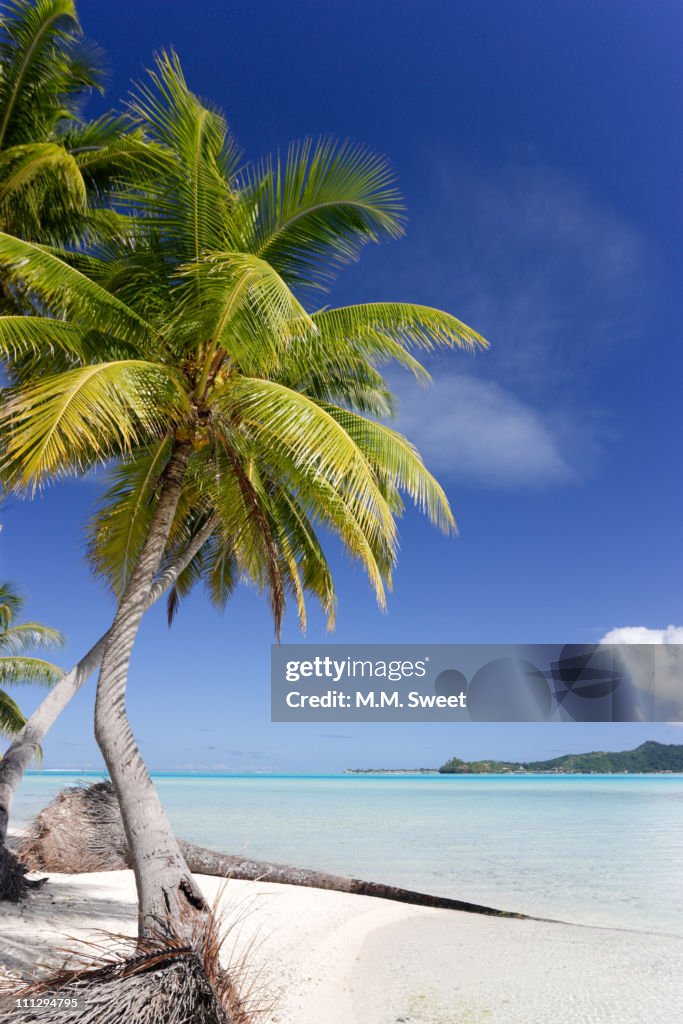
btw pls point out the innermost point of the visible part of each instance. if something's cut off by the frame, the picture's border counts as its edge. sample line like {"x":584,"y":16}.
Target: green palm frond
{"x":185,"y":583}
{"x":247,"y":310}
{"x":244,"y":524}
{"x":37,"y":40}
{"x":301,"y":548}
{"x":196,"y":158}
{"x":119,"y":527}
{"x":16,"y":669}
{"x":68,"y":293}
{"x":392,"y":455}
{"x":342,"y":516}
{"x":220,"y":572}
{"x":11,"y":603}
{"x":22,"y":638}
{"x":315,"y":211}
{"x":36,"y":167}
{"x":386,"y":331}
{"x":110,"y":154}
{"x":27,"y":336}
{"x":12,"y":720}
{"x":343,"y":512}
{"x":73,"y":420}
{"x":359,"y":387}
{"x":291,"y":424}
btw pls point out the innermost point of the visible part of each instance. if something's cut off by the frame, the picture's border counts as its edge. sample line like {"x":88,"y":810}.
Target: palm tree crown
{"x":55,"y":168}
{"x":191,"y":329}
{"x":16,"y":666}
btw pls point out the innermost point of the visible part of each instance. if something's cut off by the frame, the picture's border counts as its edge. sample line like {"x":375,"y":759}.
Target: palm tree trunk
{"x":167,"y":893}
{"x":25,"y":745}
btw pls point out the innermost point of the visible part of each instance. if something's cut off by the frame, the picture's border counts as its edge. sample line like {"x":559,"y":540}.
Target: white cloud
{"x":643,"y":635}
{"x":663,"y":694}
{"x":557,"y":280}
{"x":474,"y":429}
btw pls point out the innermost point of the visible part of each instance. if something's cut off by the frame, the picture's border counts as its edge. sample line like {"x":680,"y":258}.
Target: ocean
{"x":598,"y":850}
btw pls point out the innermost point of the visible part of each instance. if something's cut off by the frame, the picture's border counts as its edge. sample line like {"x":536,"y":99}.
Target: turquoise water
{"x":593,"y":849}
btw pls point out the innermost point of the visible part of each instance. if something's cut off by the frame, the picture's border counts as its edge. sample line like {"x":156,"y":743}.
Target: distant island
{"x":649,"y":757}
{"x":392,"y":771}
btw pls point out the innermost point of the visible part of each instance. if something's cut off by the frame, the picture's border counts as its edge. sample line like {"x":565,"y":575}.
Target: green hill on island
{"x":648,"y":757}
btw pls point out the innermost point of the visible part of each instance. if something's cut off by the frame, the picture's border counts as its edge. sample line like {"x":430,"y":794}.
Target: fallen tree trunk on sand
{"x":81,"y":831}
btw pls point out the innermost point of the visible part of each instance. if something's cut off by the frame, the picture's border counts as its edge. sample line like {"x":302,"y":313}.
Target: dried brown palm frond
{"x":79,"y":831}
{"x":14,"y":885}
{"x":164,"y":979}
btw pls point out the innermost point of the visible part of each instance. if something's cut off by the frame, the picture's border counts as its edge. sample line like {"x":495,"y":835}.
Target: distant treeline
{"x":648,"y":757}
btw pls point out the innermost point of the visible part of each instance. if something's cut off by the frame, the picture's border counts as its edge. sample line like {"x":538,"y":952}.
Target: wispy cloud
{"x":551,"y":275}
{"x":557,"y":281}
{"x":474,"y":429}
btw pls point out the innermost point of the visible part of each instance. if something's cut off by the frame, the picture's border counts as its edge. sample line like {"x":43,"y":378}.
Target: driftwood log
{"x":81,"y":831}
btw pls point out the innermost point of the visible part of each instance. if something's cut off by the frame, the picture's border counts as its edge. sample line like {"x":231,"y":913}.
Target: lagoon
{"x":599,"y":850}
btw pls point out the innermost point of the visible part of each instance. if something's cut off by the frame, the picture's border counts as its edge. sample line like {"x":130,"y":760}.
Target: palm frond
{"x":244,"y":524}
{"x":386,"y":331}
{"x":195,"y":158}
{"x":118,"y":528}
{"x":16,"y":669}
{"x":246,"y":310}
{"x":26,"y":336}
{"x":392,"y":455}
{"x":31,"y":166}
{"x":85,"y":416}
{"x":111,"y":156}
{"x":291,"y":424}
{"x":341,"y":510}
{"x":183,"y":586}
{"x":11,"y":603}
{"x":313,"y":212}
{"x":69,"y":294}
{"x":37,"y":36}
{"x":301,"y":548}
{"x":220,"y":572}
{"x":22,"y":638}
{"x":12,"y":720}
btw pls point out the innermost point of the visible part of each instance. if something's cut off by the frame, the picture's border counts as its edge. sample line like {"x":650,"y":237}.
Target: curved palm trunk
{"x":166,"y":890}
{"x":25,"y":745}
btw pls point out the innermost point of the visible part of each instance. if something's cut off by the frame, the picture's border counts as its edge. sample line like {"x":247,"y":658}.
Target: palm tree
{"x":56,"y":170}
{"x":191,"y":356}
{"x":16,"y":665}
{"x":26,"y":744}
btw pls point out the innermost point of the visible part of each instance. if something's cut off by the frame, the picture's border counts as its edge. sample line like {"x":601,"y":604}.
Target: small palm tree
{"x":189,"y":351}
{"x":56,"y":170}
{"x":16,"y":666}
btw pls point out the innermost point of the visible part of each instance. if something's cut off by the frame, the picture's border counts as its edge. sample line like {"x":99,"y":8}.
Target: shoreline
{"x":349,"y":959}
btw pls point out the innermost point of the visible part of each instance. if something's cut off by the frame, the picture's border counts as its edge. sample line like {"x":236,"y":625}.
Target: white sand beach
{"x":333,"y":958}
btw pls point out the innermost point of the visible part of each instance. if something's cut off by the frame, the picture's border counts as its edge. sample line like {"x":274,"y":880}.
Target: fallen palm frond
{"x":14,"y":885}
{"x":163,"y":979}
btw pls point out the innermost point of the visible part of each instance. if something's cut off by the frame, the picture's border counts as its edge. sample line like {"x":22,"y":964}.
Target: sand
{"x":333,"y":958}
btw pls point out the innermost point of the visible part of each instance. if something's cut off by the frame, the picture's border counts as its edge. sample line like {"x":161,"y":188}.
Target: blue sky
{"x":538,"y":147}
